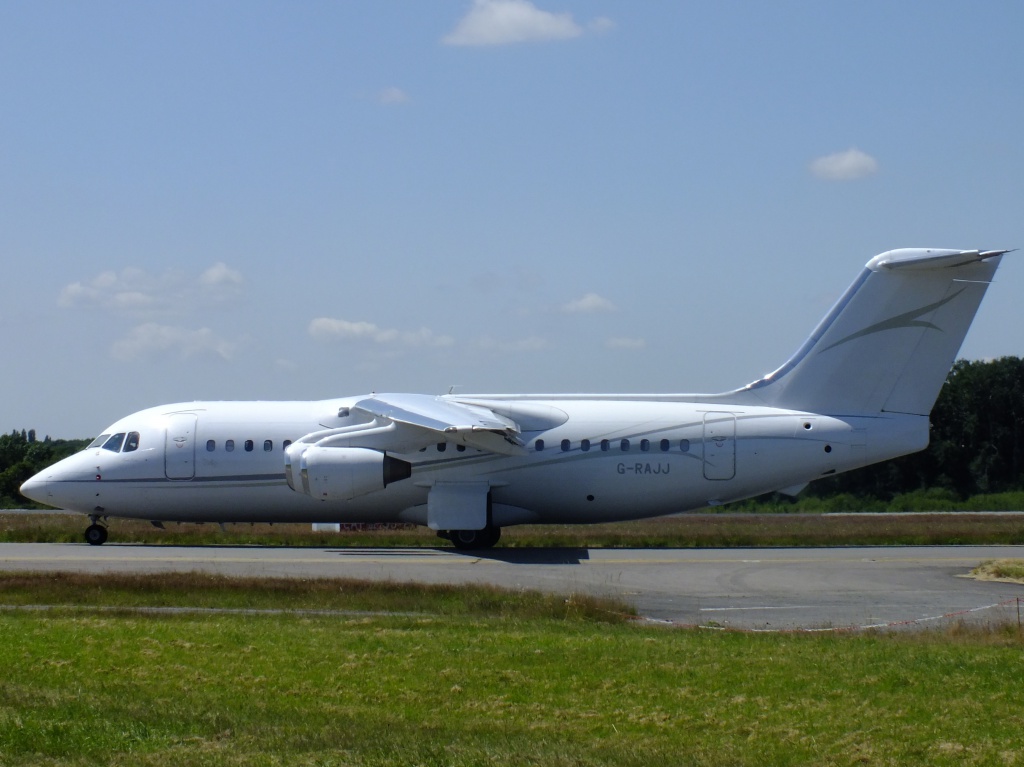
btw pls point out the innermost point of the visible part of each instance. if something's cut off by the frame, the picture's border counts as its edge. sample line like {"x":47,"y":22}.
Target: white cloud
{"x":219,"y":284}
{"x":392,"y":95}
{"x":601,"y":24}
{"x":220,"y":274}
{"x":153,"y":339}
{"x":845,"y":166}
{"x":131,"y":289}
{"x":332,"y":329}
{"x":589,"y":304}
{"x":132,"y":300}
{"x":502,"y":22}
{"x":426,"y":337}
{"x":625,"y":343}
{"x":136,"y":292}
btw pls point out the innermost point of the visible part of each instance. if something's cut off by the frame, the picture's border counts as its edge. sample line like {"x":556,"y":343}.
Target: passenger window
{"x":645,"y":445}
{"x":98,"y":442}
{"x":248,"y":446}
{"x":461,"y":448}
{"x":211,"y":445}
{"x":132,"y":443}
{"x":114,"y":443}
{"x":268,"y":445}
{"x":605,"y":444}
{"x":286,"y":443}
{"x":565,"y":446}
{"x":442,"y":446}
{"x":624,"y":446}
{"x":585,"y":445}
{"x":229,"y":445}
{"x":665,"y":445}
{"x":538,"y":445}
{"x":684,"y":445}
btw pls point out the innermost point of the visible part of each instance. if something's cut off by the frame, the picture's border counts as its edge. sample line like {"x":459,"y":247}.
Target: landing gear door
{"x":180,"y":446}
{"x":457,"y":506}
{"x":719,"y":445}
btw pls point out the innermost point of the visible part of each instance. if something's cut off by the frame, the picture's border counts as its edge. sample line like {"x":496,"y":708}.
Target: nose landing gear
{"x":95,"y":534}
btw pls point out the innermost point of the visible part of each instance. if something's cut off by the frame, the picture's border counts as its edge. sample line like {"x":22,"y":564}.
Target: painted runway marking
{"x":762,"y":607}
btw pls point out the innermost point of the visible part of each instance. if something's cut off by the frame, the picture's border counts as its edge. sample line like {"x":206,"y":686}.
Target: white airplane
{"x":858,"y":391}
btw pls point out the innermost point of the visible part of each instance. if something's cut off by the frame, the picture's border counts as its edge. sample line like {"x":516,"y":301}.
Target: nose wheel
{"x":95,"y":535}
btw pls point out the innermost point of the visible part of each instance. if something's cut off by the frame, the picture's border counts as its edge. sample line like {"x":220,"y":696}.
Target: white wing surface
{"x":441,"y":420}
{"x":404,"y":423}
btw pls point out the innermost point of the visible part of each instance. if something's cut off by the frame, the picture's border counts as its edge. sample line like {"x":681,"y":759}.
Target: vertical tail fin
{"x":889,"y":342}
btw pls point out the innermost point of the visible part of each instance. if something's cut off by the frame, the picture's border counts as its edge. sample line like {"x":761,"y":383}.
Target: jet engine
{"x":344,"y":473}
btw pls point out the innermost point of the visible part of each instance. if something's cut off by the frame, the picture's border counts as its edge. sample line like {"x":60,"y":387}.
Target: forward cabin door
{"x":719,"y":445}
{"x":180,"y":446}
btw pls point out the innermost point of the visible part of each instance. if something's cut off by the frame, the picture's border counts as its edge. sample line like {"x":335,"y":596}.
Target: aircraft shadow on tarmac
{"x":541,"y":556}
{"x":566,"y":556}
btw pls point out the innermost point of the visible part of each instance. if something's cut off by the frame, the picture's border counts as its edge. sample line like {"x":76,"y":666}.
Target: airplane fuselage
{"x":585,"y":460}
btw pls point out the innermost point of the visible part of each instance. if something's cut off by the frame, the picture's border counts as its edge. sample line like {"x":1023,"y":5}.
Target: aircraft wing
{"x":442,"y":420}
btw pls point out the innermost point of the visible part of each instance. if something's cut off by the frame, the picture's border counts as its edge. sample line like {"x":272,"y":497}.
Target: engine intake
{"x":344,"y":473}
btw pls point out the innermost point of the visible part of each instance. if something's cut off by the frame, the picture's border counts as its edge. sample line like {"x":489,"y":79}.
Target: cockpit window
{"x":99,"y":440}
{"x":114,"y":443}
{"x":132,"y":442}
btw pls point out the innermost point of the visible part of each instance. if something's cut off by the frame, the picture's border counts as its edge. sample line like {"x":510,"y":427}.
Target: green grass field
{"x":425,"y":676}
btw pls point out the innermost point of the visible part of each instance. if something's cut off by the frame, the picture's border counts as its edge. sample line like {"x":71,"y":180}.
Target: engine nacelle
{"x":344,"y":473}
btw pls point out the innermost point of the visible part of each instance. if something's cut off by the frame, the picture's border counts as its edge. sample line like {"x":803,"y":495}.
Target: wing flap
{"x":439,"y":419}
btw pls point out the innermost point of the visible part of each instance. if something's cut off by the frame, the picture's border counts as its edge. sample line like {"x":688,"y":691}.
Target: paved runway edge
{"x":755,"y":589}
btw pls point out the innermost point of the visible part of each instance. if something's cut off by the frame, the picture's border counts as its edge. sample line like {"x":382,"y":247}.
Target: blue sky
{"x":270,"y":200}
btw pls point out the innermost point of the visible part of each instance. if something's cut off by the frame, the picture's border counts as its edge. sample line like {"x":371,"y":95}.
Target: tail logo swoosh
{"x":905,"y":320}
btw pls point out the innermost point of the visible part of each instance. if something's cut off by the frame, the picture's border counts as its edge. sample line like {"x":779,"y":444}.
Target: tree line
{"x":22,"y":455}
{"x":977,"y":440}
{"x":977,"y":444}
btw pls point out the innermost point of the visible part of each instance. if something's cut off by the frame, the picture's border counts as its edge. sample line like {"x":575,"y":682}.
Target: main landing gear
{"x":95,"y":534}
{"x":467,"y":540}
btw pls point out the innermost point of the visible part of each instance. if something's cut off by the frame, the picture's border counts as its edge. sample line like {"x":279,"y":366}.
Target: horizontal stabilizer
{"x":930,"y":258}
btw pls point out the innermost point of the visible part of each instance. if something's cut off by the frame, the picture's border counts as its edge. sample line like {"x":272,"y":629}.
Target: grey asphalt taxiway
{"x":794,"y":588}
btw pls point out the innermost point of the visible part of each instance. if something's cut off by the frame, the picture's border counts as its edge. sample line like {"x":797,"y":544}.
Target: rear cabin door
{"x":180,"y":446}
{"x":719,"y":445}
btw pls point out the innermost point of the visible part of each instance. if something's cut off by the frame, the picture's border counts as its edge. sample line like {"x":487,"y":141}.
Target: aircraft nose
{"x":36,"y":488}
{"x":67,"y":484}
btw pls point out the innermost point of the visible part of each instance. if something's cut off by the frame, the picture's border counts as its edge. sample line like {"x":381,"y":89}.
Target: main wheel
{"x":95,"y":535}
{"x":475,"y":539}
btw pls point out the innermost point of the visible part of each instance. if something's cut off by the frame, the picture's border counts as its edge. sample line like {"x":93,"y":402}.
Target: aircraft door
{"x":180,"y":446}
{"x":719,"y":445}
